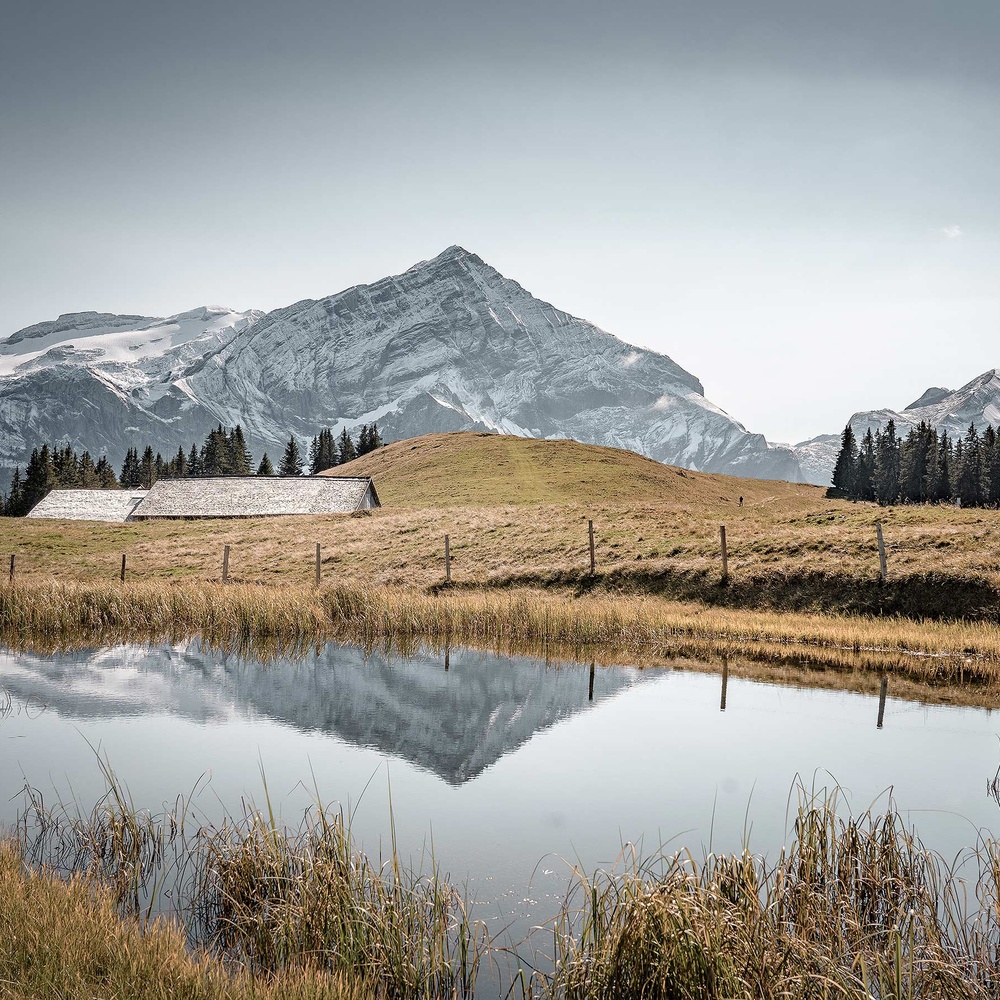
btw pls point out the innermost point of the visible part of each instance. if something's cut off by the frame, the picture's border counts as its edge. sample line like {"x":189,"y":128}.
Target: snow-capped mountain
{"x":102,"y":382}
{"x":450,"y":344}
{"x":977,"y":402}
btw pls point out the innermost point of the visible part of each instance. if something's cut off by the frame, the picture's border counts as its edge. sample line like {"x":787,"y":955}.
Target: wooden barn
{"x":89,"y":505}
{"x":224,"y":496}
{"x":257,"y":496}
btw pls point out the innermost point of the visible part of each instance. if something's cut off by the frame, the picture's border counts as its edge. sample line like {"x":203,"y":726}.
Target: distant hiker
{"x":741,"y":501}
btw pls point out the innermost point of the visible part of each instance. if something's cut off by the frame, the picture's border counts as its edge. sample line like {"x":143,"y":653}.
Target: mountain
{"x":102,"y":382}
{"x":977,"y":402}
{"x":450,"y":344}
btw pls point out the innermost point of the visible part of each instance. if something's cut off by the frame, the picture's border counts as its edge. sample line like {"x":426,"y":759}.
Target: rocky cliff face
{"x":977,"y":402}
{"x":450,"y":344}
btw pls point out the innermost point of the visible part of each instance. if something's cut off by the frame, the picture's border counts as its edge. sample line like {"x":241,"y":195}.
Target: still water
{"x":508,"y":769}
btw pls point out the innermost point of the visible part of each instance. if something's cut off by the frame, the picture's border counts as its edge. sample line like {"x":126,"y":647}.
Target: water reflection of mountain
{"x":455,"y":723}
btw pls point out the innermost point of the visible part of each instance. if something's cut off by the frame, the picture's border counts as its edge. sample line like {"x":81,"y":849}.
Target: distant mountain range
{"x":450,"y":344}
{"x":977,"y":402}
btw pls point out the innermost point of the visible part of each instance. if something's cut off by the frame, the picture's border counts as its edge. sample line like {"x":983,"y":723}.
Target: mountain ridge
{"x":448,"y":344}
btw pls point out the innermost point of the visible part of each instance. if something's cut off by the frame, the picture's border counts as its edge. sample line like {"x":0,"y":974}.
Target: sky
{"x":797,"y":201}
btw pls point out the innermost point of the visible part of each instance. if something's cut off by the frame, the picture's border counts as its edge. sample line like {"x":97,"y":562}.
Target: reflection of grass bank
{"x":941,"y":660}
{"x":854,"y":907}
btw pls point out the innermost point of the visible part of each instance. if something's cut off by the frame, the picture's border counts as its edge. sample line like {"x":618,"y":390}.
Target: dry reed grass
{"x":65,"y":939}
{"x":265,"y":898}
{"x":943,"y":660}
{"x":855,"y":908}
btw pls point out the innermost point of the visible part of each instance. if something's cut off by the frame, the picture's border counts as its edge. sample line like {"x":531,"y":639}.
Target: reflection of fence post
{"x":319,"y":572}
{"x":725,"y":553}
{"x":590,"y":692}
{"x":881,"y":700}
{"x":123,"y":567}
{"x":447,"y":658}
{"x":593,"y":558}
{"x":883,"y":568}
{"x":225,"y":565}
{"x":447,"y":559}
{"x":725,"y":683}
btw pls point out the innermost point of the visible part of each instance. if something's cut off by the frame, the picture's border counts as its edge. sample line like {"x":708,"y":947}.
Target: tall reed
{"x":856,"y":907}
{"x":267,"y":897}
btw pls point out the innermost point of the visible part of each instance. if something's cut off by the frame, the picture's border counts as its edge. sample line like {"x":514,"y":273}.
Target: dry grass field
{"x":516,"y":512}
{"x":803,"y":569}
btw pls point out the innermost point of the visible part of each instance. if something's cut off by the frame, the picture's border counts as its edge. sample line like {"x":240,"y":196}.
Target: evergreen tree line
{"x":223,"y":453}
{"x":924,"y":467}
{"x":326,"y":451}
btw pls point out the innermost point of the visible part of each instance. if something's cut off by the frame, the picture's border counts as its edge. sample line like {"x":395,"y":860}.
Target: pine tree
{"x":215,"y":453}
{"x":345,"y":448}
{"x":845,"y":472}
{"x":179,"y":466}
{"x":147,"y":469}
{"x":194,"y":461}
{"x":887,"y":465}
{"x":240,"y":459}
{"x":106,"y":474}
{"x":15,"y":505}
{"x":914,"y":458}
{"x":265,"y":468}
{"x":89,"y":479}
{"x":969,"y":477}
{"x":946,"y":457}
{"x":991,"y":466}
{"x":865,"y":488}
{"x":40,"y":477}
{"x":291,"y":461}
{"x":314,"y":465}
{"x":131,"y":474}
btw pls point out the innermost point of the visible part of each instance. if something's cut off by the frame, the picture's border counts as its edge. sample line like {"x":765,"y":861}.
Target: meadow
{"x":855,"y":906}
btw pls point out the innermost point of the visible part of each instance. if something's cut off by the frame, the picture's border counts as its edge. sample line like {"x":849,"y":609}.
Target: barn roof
{"x":256,"y":496}
{"x":89,"y":505}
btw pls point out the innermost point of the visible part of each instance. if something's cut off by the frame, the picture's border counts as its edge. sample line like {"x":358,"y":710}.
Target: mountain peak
{"x":450,"y":256}
{"x":930,"y":396}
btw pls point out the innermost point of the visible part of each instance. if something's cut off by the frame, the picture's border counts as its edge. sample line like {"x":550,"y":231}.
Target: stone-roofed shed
{"x":89,"y":505}
{"x":257,"y":496}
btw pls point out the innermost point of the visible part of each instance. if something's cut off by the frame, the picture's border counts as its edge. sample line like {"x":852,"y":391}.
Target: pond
{"x":507,"y":769}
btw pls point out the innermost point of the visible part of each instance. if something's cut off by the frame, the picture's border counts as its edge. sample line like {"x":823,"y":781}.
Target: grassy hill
{"x":469,"y":469}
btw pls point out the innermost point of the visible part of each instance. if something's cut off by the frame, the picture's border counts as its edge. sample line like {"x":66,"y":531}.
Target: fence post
{"x":447,"y":559}
{"x":225,"y":565}
{"x":881,"y":700}
{"x":883,"y":568}
{"x":12,"y":557}
{"x":725,"y":553}
{"x":123,"y":567}
{"x":319,"y":572}
{"x":593,"y":558}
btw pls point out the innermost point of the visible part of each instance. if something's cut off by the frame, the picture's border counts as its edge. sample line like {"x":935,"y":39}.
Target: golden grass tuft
{"x":65,"y":939}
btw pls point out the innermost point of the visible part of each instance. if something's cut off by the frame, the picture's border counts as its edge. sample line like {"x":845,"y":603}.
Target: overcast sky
{"x":797,"y":201}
